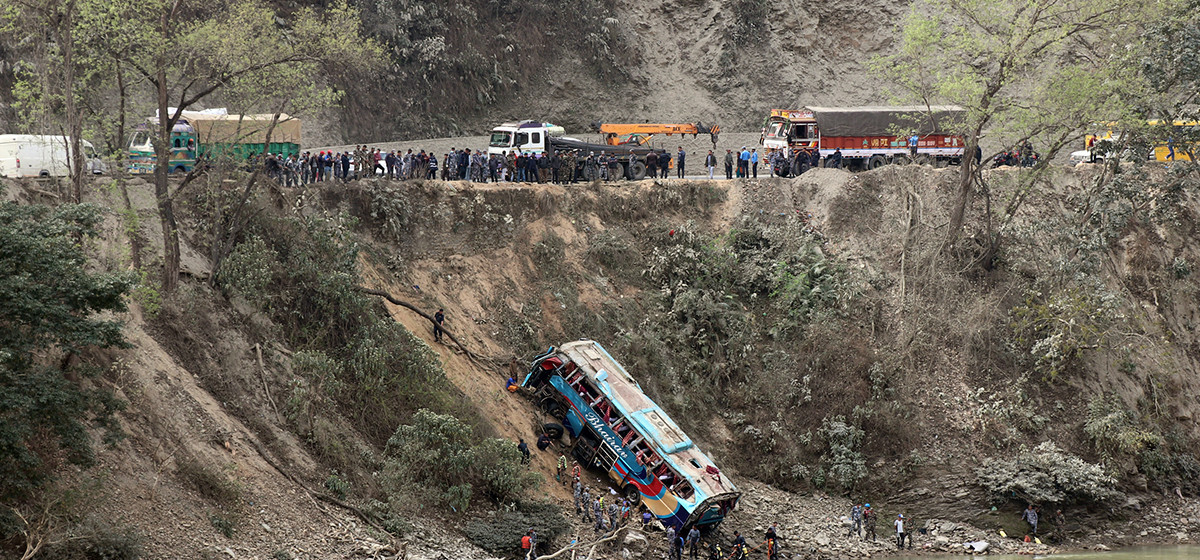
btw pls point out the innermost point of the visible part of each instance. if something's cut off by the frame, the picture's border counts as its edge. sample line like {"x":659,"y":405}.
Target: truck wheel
{"x":637,"y":171}
{"x":553,"y":430}
{"x":876,"y":162}
{"x":796,"y":168}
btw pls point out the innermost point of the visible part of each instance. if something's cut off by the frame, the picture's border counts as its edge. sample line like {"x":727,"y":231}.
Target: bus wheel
{"x":632,"y":494}
{"x":549,"y":406}
{"x":637,"y":171}
{"x":553,"y":430}
{"x":179,"y":169}
{"x":876,"y":162}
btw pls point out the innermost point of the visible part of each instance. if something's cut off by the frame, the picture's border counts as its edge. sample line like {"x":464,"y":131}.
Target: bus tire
{"x":178,"y":169}
{"x":554,"y":430}
{"x":876,"y":162}
{"x":632,"y":494}
{"x":637,"y":171}
{"x":549,"y":406}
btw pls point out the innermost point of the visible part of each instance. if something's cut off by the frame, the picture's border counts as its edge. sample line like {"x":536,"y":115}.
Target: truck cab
{"x":526,"y":137}
{"x":794,"y":129}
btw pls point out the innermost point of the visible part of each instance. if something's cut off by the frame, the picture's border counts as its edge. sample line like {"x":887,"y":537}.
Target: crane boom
{"x":616,"y":134}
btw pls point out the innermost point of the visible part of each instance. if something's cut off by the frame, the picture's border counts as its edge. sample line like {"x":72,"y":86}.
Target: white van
{"x":29,"y":155}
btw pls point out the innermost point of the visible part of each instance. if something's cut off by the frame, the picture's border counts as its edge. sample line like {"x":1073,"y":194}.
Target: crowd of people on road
{"x":559,"y":167}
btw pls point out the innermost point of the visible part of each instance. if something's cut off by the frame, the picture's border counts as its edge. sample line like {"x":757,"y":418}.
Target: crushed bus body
{"x":615,"y":427}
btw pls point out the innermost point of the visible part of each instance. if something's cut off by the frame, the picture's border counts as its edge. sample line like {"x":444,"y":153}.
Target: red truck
{"x":867,"y":137}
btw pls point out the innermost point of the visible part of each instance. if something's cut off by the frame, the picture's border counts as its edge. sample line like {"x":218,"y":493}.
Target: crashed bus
{"x":615,"y":427}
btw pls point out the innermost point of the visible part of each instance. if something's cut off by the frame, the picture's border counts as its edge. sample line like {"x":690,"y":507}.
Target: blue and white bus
{"x":615,"y":427}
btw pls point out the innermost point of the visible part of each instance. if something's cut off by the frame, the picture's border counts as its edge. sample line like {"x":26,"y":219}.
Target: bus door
{"x":585,"y":446}
{"x":606,"y":457}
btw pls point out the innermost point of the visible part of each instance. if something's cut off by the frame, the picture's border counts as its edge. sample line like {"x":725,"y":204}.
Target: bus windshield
{"x":501,"y":139}
{"x":140,"y":140}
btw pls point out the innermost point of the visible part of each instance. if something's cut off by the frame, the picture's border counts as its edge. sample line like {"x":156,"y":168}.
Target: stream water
{"x":1179,"y":552}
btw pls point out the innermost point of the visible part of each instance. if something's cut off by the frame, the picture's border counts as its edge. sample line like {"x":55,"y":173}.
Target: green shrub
{"x":97,"y":541}
{"x":1166,"y":469}
{"x":355,"y":358}
{"x":1114,"y":430}
{"x":1054,"y":327}
{"x":338,"y":485}
{"x":51,"y":307}
{"x":501,"y":532}
{"x":614,"y":253}
{"x":1046,"y":475}
{"x":248,"y":270}
{"x":843,"y":460}
{"x":436,"y":452}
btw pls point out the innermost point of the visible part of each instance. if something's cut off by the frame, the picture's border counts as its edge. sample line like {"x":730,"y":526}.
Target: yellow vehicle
{"x":1179,"y":143}
{"x":641,"y":133}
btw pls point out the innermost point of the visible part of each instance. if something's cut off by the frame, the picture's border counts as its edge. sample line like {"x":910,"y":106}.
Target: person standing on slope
{"x":710,"y":162}
{"x":869,"y":522}
{"x":856,"y":519}
{"x":900,"y":534}
{"x":1030,"y":516}
{"x":439,"y":319}
{"x":680,"y":159}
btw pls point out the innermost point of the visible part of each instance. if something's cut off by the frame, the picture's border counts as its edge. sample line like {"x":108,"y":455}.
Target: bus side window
{"x":178,"y":143}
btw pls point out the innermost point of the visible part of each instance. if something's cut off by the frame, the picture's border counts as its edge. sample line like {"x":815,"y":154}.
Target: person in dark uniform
{"x":439,"y":319}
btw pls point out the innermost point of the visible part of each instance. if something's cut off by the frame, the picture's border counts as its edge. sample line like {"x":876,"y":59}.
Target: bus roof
{"x":649,"y":420}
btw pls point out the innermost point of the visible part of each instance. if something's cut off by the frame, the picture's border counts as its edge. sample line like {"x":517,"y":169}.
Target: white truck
{"x":535,"y":137}
{"x":31,"y":155}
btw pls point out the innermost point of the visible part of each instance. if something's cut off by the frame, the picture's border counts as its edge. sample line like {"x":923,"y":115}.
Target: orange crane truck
{"x":640,"y":133}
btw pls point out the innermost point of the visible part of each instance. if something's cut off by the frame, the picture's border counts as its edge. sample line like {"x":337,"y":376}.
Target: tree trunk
{"x":66,"y":46}
{"x":119,"y":145}
{"x":166,"y":210}
{"x":963,"y":194}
